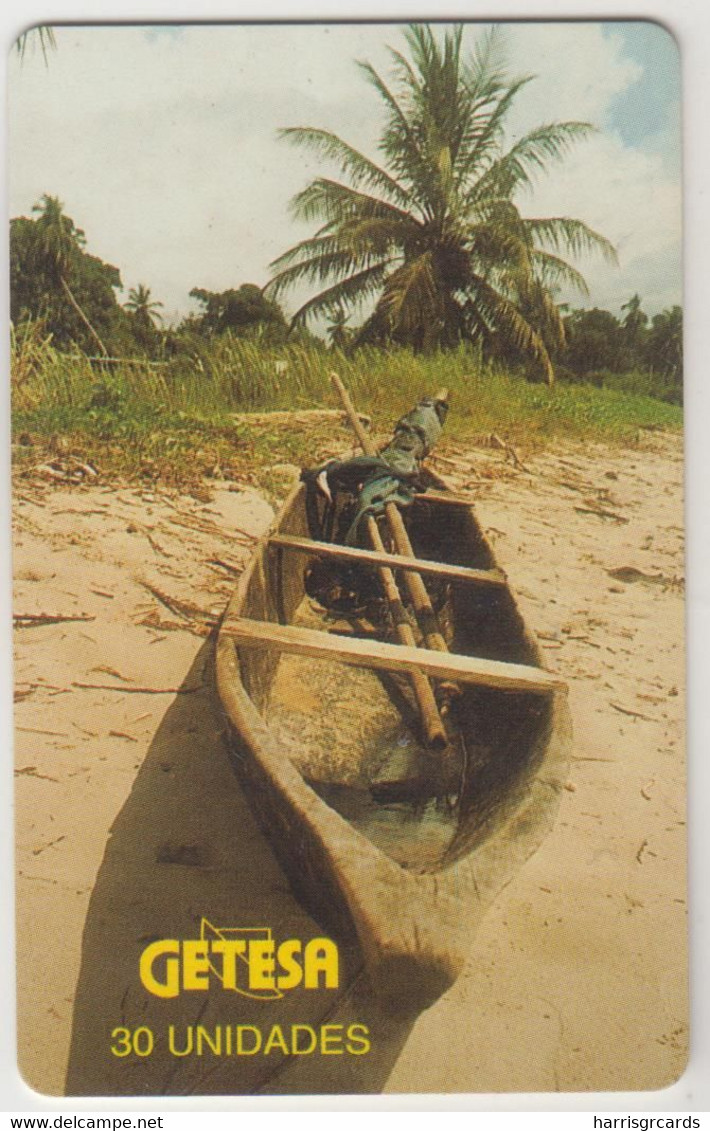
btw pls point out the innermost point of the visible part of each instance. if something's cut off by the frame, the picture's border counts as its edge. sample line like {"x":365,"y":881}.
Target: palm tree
{"x":665,"y":344}
{"x":635,"y":319}
{"x":434,"y":233}
{"x":59,"y":244}
{"x":145,"y":309}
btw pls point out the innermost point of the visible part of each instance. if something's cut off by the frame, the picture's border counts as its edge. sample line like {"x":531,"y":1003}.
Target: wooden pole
{"x":432,"y":725}
{"x":364,"y":439}
{"x":415,"y":586}
{"x":80,"y":312}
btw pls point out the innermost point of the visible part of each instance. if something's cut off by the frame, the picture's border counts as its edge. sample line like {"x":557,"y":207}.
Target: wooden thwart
{"x":442,"y":497}
{"x":394,"y":561}
{"x":391,"y":657}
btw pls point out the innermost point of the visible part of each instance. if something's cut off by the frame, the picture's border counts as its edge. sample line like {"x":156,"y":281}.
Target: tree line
{"x":600,"y":346}
{"x":73,"y":295}
{"x":57,"y":285}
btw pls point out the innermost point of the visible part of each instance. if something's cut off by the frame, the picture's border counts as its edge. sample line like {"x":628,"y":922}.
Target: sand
{"x":130,"y":821}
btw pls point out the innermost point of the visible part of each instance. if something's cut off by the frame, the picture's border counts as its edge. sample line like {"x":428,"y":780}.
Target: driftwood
{"x":631,"y":712}
{"x":226,"y":566}
{"x":124,"y":690}
{"x":185,"y":609}
{"x":106,"y":670}
{"x":297,"y":416}
{"x":206,"y":526}
{"x":495,"y":441}
{"x":630,"y":574}
{"x":39,"y":730}
{"x":33,"y":620}
{"x":32,"y":772}
{"x":50,"y":844}
{"x":602,"y":512}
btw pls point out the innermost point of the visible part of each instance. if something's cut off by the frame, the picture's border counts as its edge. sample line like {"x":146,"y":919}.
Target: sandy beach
{"x":129,"y":819}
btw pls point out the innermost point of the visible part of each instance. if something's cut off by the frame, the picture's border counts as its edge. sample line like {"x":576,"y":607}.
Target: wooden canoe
{"x":325,"y":740}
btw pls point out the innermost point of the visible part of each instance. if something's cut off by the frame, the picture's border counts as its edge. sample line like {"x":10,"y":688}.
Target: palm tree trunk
{"x":81,"y":314}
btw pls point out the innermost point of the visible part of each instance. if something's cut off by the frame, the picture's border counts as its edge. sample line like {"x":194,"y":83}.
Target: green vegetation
{"x":146,"y":309}
{"x":628,"y":353}
{"x":53,"y":279}
{"x":174,"y":422}
{"x":240,"y":310}
{"x":461,"y":291}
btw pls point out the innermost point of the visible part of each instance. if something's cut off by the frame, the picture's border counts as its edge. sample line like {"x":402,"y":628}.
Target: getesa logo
{"x":246,"y":960}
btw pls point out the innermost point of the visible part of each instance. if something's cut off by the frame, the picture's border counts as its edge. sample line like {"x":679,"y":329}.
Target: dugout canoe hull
{"x":414,"y":927}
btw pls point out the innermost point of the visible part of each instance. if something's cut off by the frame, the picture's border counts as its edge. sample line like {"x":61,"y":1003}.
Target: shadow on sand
{"x":185,"y":846}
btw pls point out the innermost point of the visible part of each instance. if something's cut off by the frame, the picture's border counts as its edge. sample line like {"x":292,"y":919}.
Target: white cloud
{"x":578,"y":72}
{"x":631,"y":195}
{"x":163,"y":146}
{"x":627,"y":195}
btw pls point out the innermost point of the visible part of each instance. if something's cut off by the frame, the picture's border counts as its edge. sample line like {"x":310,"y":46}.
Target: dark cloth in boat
{"x":390,"y":477}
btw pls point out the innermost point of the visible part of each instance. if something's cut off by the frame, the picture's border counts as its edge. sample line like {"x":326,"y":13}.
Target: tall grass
{"x":172,"y":409}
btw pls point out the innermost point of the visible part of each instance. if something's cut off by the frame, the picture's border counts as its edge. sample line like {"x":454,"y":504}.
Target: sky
{"x":162,"y":143}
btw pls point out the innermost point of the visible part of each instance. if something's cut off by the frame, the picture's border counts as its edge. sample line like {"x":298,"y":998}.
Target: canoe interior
{"x":353,"y":734}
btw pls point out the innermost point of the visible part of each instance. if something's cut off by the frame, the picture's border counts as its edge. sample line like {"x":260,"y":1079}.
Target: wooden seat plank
{"x":391,"y":657}
{"x":445,"y":497}
{"x":394,"y":561}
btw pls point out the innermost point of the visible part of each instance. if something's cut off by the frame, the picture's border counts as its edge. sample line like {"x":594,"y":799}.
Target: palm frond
{"x":335,"y":202}
{"x":487,"y":65}
{"x":500,"y":314}
{"x":400,"y":144}
{"x":540,"y":311}
{"x":378,"y":235}
{"x":43,"y":35}
{"x":499,"y":245}
{"x":531,"y":155}
{"x":484,"y":133}
{"x":333,"y":266}
{"x":361,"y":170}
{"x":554,"y":272}
{"x":321,"y":244}
{"x":348,"y":292}
{"x":411,"y":295}
{"x":574,"y":236}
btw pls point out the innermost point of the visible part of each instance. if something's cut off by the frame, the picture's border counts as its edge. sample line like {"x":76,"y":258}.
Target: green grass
{"x":174,"y":423}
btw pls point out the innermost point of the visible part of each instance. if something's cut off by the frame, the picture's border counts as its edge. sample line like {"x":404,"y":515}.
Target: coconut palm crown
{"x":145,"y":309}
{"x":433,"y":233}
{"x":59,"y":244}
